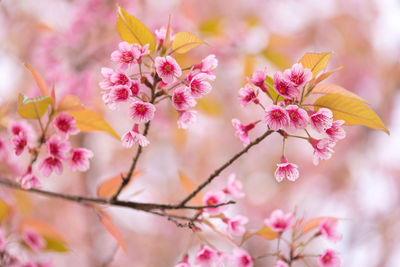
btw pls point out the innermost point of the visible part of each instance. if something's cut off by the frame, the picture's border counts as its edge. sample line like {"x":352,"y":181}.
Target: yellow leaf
{"x":189,"y":187}
{"x":33,"y":108}
{"x":185,"y":41}
{"x":211,"y":26}
{"x":352,"y":111}
{"x":277,"y":58}
{"x":267,"y":233}
{"x":55,"y":245}
{"x":316,"y":62}
{"x":314,"y":223}
{"x":110,"y":186}
{"x":23,"y":202}
{"x":69,"y":103}
{"x":335,"y":89}
{"x":248,"y":66}
{"x":133,"y":30}
{"x":112,"y":229}
{"x":4,"y":210}
{"x":210,"y":106}
{"x":44,"y":89}
{"x":88,"y":121}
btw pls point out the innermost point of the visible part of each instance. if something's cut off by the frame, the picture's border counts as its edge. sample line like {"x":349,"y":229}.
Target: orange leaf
{"x":325,"y":75}
{"x":41,"y":228}
{"x":112,"y":229}
{"x":189,"y":187}
{"x":110,"y":186}
{"x":44,"y":89}
{"x":316,"y":62}
{"x":267,"y":233}
{"x":53,"y":95}
{"x":69,"y":103}
{"x":335,"y":89}
{"x":314,"y":223}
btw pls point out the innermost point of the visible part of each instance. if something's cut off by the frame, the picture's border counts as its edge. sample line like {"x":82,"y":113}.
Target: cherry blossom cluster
{"x":141,"y":80}
{"x":32,"y":243}
{"x":288,"y":114}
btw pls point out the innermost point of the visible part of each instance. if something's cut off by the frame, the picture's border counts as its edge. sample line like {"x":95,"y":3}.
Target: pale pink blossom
{"x":284,"y":87}
{"x":184,"y":262}
{"x":124,"y":55}
{"x":298,"y":75}
{"x":281,"y":263}
{"x":3,"y":149}
{"x":120,"y":93}
{"x":322,"y":120}
{"x":279,"y":222}
{"x":65,"y":124}
{"x":235,"y":226}
{"x":58,"y":148}
{"x":186,"y":117}
{"x":234,"y":187}
{"x":336,"y":132}
{"x":120,"y":78}
{"x":329,"y":259}
{"x":214,"y":198}
{"x":107,"y":73}
{"x":242,"y":131}
{"x":298,"y":118}
{"x":167,"y":68}
{"x":141,"y":112}
{"x":207,"y":65}
{"x":322,"y":149}
{"x":327,"y":228}
{"x":33,"y":239}
{"x":247,"y":95}
{"x":140,"y":51}
{"x":276,"y":117}
{"x":28,"y":180}
{"x":182,"y":99}
{"x":18,"y":127}
{"x":258,"y":79}
{"x":49,"y":164}
{"x":206,"y":256}
{"x":286,"y":170}
{"x":3,"y":242}
{"x":161,"y":34}
{"x":19,"y":142}
{"x":79,"y":159}
{"x":132,"y":137}
{"x":199,"y":86}
{"x":241,"y":258}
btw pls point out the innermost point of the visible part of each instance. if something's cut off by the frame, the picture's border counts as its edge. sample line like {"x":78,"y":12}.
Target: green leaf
{"x":316,"y":62}
{"x":33,"y":108}
{"x":133,"y":30}
{"x":352,"y":111}
{"x":269,"y":82}
{"x":184,"y":42}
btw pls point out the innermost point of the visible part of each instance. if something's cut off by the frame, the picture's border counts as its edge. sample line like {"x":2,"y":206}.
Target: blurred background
{"x":68,"y":41}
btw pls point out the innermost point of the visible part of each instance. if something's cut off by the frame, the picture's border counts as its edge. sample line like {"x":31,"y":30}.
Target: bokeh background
{"x":68,"y":41}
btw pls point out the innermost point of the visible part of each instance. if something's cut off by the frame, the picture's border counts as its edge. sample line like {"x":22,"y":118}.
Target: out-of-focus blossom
{"x":49,"y":164}
{"x":336,"y":132}
{"x":186,"y":117}
{"x":284,"y":87}
{"x":214,"y":198}
{"x":235,"y":226}
{"x":242,"y":131}
{"x":33,"y":239}
{"x":3,"y":242}
{"x":279,"y":222}
{"x":207,"y":65}
{"x":258,"y":79}
{"x":182,"y":99}
{"x":65,"y":124}
{"x":327,"y":228}
{"x":140,"y":51}
{"x":107,"y":73}
{"x":206,"y":256}
{"x":142,"y":112}
{"x":167,"y":68}
{"x":280,"y":263}
{"x":322,"y":120}
{"x":329,"y":259}
{"x":19,"y":142}
{"x":241,"y":258}
{"x":58,"y":148}
{"x":247,"y":95}
{"x":298,"y":75}
{"x":234,"y":187}
{"x":286,"y":170}
{"x":132,"y":137}
{"x":298,"y":118}
{"x":28,"y":180}
{"x":276,"y":117}
{"x":322,"y":149}
{"x":161,"y":34}
{"x":80,"y":159}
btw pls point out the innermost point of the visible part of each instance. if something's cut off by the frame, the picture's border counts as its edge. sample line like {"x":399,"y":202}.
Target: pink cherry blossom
{"x":132,"y":137}
{"x":298,"y":75}
{"x":3,"y":149}
{"x":206,"y":256}
{"x":322,"y":149}
{"x":248,"y":95}
{"x":184,"y":262}
{"x":135,"y":87}
{"x":327,"y":227}
{"x":281,"y":263}
{"x":186,"y":117}
{"x":120,"y":78}
{"x":33,"y":239}
{"x":107,"y":73}
{"x":19,"y":142}
{"x":80,"y":159}
{"x":336,"y":132}
{"x":3,"y":242}
{"x":276,"y":117}
{"x":242,"y":131}
{"x":207,"y":65}
{"x":65,"y":124}
{"x":49,"y":164}
{"x":258,"y":79}
{"x":58,"y":148}
{"x":142,"y":112}
{"x":329,"y":259}
{"x":322,"y":119}
{"x":214,"y":198}
{"x":241,"y":258}
{"x":286,"y":170}
{"x":167,"y":68}
{"x":182,"y":99}
{"x":198,"y":85}
{"x":18,"y":127}
{"x":234,"y":187}
{"x":140,"y":51}
{"x":279,"y":222}
{"x":124,"y":55}
{"x":235,"y":226}
{"x":161,"y":34}
{"x":28,"y":180}
{"x":120,"y":93}
{"x":298,"y":118}
{"x":284,"y":87}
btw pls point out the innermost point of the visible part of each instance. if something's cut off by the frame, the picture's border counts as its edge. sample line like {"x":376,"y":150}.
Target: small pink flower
{"x":329,"y":259}
{"x":58,"y":148}
{"x":284,"y":87}
{"x":248,"y":95}
{"x":242,"y":131}
{"x":258,"y":79}
{"x":322,"y":149}
{"x":161,"y":34}
{"x":2,"y":241}
{"x":120,"y":93}
{"x":65,"y":124}
{"x":298,"y":75}
{"x":234,"y":187}
{"x":279,"y":222}
{"x":206,"y":256}
{"x":288,"y":170}
{"x":28,"y":180}
{"x":135,"y":87}
{"x":80,"y":159}
{"x":120,"y":78}
{"x":142,"y":112}
{"x":214,"y":198}
{"x":182,"y":99}
{"x":298,"y":118}
{"x":199,"y":86}
{"x":207,"y":65}
{"x":18,"y":127}
{"x":19,"y":142}
{"x":276,"y":117}
{"x":3,"y":149}
{"x":132,"y":137}
{"x":186,"y":117}
{"x":327,"y":227}
{"x":107,"y":73}
{"x":281,"y":263}
{"x":49,"y":164}
{"x":322,"y":119}
{"x":167,"y":68}
{"x":336,"y":132}
{"x":124,"y":55}
{"x":235,"y":226}
{"x":241,"y":258}
{"x":33,"y":239}
{"x":140,"y":51}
